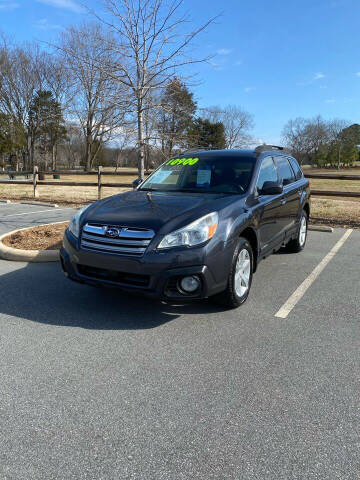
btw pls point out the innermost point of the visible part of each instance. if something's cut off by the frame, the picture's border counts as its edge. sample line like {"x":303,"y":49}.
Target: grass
{"x":336,"y":212}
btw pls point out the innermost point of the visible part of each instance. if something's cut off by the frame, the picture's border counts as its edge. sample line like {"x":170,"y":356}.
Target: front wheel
{"x":240,"y":277}
{"x":298,"y":243}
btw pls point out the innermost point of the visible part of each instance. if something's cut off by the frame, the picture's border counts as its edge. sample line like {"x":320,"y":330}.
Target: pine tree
{"x":205,"y":134}
{"x":47,"y":125}
{"x":177,"y":110}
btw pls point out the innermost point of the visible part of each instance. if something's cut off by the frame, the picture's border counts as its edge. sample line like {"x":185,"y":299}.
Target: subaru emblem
{"x":112,"y":232}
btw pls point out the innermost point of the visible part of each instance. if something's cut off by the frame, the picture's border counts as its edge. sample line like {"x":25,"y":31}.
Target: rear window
{"x":284,"y":170}
{"x":296,"y":168}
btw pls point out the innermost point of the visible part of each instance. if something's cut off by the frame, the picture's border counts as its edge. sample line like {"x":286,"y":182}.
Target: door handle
{"x":283,"y":201}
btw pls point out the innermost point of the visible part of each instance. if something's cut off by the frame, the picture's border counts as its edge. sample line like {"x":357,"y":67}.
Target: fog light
{"x":190,"y":284}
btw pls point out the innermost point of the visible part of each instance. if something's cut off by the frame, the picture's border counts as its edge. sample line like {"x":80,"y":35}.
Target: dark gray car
{"x":196,"y":228}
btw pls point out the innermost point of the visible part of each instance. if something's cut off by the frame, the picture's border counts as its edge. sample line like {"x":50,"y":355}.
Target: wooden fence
{"x":100,"y":183}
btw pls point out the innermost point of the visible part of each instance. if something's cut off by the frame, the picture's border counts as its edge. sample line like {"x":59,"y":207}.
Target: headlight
{"x":74,"y":226}
{"x":197,"y":232}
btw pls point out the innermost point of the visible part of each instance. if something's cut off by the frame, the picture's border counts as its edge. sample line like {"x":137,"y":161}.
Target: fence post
{"x":99,"y":182}
{"x":35,"y":181}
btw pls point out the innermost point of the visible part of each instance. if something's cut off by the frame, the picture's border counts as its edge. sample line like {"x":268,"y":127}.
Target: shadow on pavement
{"x":41,"y":293}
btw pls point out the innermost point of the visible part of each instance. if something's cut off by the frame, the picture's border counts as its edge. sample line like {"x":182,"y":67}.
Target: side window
{"x":267,"y":173}
{"x":296,"y":168}
{"x":285,"y":172}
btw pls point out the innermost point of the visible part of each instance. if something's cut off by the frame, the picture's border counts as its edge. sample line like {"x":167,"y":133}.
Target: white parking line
{"x":29,"y":213}
{"x":301,"y":290}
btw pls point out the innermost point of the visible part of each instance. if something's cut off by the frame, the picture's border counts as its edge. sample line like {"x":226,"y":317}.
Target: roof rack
{"x":266,"y":148}
{"x":199,"y":149}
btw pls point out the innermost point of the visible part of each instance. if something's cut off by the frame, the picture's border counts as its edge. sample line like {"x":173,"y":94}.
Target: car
{"x":196,"y":228}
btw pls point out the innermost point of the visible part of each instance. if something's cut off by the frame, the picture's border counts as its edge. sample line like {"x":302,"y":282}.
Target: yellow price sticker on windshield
{"x":182,"y":161}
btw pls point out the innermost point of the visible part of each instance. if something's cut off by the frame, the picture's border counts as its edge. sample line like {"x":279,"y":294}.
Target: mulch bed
{"x":46,"y":237}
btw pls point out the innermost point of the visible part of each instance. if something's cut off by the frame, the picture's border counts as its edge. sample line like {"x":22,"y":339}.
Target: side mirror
{"x":271,"y":188}
{"x":137,"y":182}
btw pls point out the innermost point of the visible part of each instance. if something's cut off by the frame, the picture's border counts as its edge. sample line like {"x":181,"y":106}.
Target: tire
{"x":298,"y":243}
{"x":237,"y":292}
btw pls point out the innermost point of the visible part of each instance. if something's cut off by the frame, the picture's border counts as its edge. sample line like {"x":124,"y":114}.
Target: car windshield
{"x":204,"y":175}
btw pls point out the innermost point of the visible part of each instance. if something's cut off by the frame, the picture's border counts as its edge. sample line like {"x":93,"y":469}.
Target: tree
{"x":237,"y":123}
{"x":21,"y":75}
{"x":352,"y":133}
{"x":337,"y":137}
{"x":74,"y":146}
{"x":150,"y":46}
{"x":177,"y":108}
{"x":12,"y":138}
{"x":46,"y":123}
{"x":352,"y":139}
{"x":205,"y":134}
{"x":83,"y":50}
{"x":305,"y":137}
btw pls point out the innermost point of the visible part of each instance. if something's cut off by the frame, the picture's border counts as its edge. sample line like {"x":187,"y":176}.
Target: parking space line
{"x":29,"y":213}
{"x":301,"y":290}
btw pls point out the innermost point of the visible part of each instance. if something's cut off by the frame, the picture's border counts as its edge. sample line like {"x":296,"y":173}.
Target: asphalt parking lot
{"x":97,"y":384}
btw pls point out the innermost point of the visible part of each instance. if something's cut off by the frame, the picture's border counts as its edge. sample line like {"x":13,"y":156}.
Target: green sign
{"x":182,"y":161}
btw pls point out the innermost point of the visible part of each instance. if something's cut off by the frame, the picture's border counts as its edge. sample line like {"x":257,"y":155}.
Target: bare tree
{"x":337,"y":136}
{"x":151,"y":45}
{"x":237,"y":123}
{"x":72,"y":150}
{"x":21,"y":75}
{"x":92,"y":89}
{"x":306,"y":136}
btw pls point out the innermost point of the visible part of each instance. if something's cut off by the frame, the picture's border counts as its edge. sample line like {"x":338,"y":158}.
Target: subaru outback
{"x":197,"y":227}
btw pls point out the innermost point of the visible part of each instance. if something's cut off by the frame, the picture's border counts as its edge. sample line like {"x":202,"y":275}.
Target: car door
{"x":267,"y":210}
{"x":290,"y":199}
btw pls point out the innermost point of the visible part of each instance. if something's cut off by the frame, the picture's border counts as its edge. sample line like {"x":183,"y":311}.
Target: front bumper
{"x":156,"y":274}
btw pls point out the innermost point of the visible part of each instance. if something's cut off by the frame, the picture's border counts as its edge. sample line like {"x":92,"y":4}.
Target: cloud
{"x":330,"y":100}
{"x":8,"y":5}
{"x":44,"y":24}
{"x":317,"y":76}
{"x":64,"y":4}
{"x":223,"y":51}
{"x":323,"y":86}
{"x":357,"y":74}
{"x":249,"y":89}
{"x":238,"y":62}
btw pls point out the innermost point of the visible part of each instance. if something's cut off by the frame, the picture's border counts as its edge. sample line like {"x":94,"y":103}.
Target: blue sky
{"x":277,"y":59}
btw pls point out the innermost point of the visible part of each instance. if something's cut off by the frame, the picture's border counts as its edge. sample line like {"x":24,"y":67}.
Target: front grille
{"x":123,"y":241}
{"x":113,"y":276}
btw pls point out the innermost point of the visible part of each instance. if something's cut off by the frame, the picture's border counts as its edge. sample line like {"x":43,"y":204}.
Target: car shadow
{"x":40,"y":293}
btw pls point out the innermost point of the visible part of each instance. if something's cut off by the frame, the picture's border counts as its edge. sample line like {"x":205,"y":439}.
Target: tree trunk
{"x":339,"y":157}
{"x":53,"y":157}
{"x":32,"y":153}
{"x":141,"y":164}
{"x":88,"y":154}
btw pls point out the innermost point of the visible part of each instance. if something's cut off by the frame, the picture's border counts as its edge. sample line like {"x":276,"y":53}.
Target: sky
{"x":277,"y":59}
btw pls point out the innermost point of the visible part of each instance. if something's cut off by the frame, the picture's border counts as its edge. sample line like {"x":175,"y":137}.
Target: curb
{"x":320,"y":228}
{"x":41,"y":204}
{"x":35,"y":256}
{"x":5,"y":201}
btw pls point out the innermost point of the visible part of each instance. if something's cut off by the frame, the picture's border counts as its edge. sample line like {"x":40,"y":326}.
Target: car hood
{"x":154,"y":209}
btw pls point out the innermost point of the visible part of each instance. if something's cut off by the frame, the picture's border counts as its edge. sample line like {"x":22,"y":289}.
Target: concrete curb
{"x":320,"y":228}
{"x":5,"y":201}
{"x":41,"y":204}
{"x":35,"y":256}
